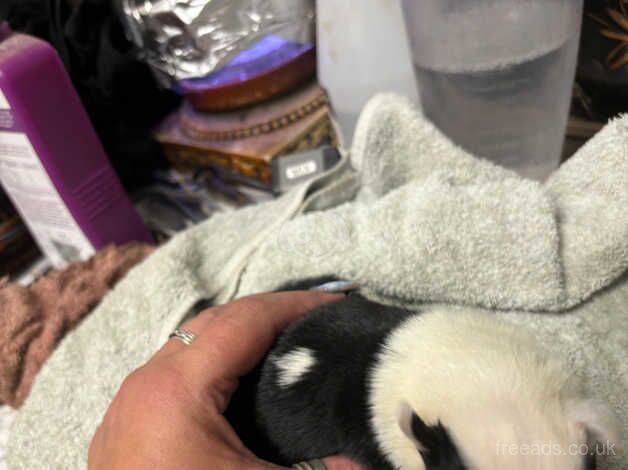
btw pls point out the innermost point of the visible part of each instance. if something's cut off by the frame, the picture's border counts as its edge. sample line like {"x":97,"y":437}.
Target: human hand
{"x":168,"y":414}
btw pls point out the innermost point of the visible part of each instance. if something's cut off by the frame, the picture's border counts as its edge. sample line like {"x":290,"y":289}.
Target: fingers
{"x":233,"y":338}
{"x":244,"y":330}
{"x":194,"y":325}
{"x":340,"y":463}
{"x":290,"y":303}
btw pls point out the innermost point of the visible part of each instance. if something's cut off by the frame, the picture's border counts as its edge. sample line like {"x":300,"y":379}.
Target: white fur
{"x":293,"y":365}
{"x":490,"y":384}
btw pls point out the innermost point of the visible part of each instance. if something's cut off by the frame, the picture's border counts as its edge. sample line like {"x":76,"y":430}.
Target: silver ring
{"x":186,"y":337}
{"x":315,"y":464}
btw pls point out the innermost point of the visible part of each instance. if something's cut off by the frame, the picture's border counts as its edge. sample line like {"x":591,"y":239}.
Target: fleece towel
{"x":440,"y":225}
{"x":6,"y":416}
{"x":410,"y":217}
{"x":34,"y":318}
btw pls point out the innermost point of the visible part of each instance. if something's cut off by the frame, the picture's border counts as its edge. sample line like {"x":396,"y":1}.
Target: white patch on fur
{"x":293,"y":365}
{"x":488,"y":382}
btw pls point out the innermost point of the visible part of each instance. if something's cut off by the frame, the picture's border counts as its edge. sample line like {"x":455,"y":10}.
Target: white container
{"x":496,"y":76}
{"x":362,"y":50}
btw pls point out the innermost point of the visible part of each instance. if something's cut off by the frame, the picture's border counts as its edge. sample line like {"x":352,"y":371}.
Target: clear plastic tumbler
{"x":496,"y":76}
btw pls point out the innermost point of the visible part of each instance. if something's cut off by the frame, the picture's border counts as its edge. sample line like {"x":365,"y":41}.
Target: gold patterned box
{"x":244,"y":142}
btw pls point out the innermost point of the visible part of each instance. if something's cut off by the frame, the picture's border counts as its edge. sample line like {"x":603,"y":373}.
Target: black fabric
{"x":118,"y":91}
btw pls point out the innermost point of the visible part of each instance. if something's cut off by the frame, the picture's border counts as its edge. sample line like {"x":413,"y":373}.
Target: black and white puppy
{"x":394,"y":389}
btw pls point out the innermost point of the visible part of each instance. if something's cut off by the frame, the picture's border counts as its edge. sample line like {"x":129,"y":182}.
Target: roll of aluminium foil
{"x":184,"y":39}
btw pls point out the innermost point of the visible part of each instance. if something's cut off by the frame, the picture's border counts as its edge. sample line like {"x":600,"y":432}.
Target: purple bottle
{"x":52,"y":164}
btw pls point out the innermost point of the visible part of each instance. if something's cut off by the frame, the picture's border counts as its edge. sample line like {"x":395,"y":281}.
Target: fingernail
{"x":336,"y":287}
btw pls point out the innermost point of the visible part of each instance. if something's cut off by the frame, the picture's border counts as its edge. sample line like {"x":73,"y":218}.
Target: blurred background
{"x":209,"y":105}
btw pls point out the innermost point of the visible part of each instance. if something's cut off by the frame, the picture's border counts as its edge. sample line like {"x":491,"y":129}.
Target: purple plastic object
{"x":266,"y":54}
{"x":52,"y":164}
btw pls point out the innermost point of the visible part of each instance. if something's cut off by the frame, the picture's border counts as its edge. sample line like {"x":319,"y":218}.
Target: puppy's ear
{"x":434,"y":443}
{"x":405,"y":415}
{"x":593,"y":421}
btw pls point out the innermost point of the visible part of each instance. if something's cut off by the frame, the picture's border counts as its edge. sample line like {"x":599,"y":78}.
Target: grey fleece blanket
{"x":411,"y":218}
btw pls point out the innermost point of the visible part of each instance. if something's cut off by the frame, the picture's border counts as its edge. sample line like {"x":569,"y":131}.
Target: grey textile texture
{"x":440,"y":225}
{"x":411,"y":218}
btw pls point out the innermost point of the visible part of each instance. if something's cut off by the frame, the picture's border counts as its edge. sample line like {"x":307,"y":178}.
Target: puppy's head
{"x":566,"y":438}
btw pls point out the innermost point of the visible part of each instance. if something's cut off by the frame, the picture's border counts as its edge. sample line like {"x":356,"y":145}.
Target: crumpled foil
{"x":183,"y":39}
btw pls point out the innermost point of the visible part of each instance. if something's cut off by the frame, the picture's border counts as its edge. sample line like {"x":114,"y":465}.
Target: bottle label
{"x":35,"y":197}
{"x":4,"y":104}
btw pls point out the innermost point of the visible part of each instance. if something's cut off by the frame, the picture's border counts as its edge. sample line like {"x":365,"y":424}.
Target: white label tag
{"x":301,"y":169}
{"x":35,"y":197}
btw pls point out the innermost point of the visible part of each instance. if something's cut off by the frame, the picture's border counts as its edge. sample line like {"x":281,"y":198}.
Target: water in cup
{"x":496,"y":76}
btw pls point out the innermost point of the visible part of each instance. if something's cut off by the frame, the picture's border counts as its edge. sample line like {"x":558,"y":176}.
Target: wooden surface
{"x":260,"y":88}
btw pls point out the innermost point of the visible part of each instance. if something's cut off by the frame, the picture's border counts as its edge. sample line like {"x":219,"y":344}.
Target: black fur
{"x":326,"y":412}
